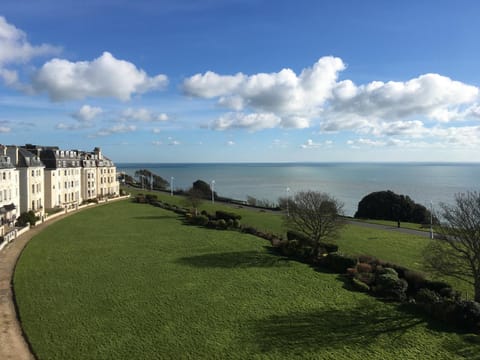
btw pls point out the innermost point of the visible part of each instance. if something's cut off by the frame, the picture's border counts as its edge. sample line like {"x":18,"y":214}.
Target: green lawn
{"x":129,"y":281}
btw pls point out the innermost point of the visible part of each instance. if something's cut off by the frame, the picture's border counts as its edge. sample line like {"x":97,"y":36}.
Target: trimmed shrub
{"x":436,"y":285}
{"x":366,"y":278}
{"x":236,"y":223}
{"x":200,"y":220}
{"x":390,"y":286}
{"x":338,"y":262}
{"x":326,"y":248}
{"x":367,"y":259}
{"x":27,"y":218}
{"x":364,"y":268}
{"x":249,"y":230}
{"x":225,"y":215}
{"x":360,"y":285}
{"x":221,"y":224}
{"x":296,"y":235}
{"x":416,"y":280}
{"x":150,"y":198}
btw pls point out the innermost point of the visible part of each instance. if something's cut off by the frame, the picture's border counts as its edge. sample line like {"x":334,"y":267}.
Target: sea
{"x":426,"y":183}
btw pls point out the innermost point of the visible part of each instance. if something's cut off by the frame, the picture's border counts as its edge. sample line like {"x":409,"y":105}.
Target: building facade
{"x":9,"y":195}
{"x":31,"y":174}
{"x":62,"y":176}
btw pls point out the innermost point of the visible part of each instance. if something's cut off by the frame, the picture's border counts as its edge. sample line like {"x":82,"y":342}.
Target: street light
{"x":213,"y":192}
{"x":171,"y":185}
{"x":151,"y":182}
{"x":288,"y":196}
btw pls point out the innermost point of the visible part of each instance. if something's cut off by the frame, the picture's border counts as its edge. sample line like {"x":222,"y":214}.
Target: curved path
{"x":13,"y":345}
{"x":12,"y":342}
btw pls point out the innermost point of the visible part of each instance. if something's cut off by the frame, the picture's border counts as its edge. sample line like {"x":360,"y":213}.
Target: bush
{"x":221,"y":224}
{"x":360,"y":285}
{"x":366,"y":278}
{"x":150,"y":198}
{"x":367,"y":259}
{"x":326,"y":248}
{"x":296,"y":235}
{"x":390,"y":286}
{"x":338,"y":262}
{"x":436,"y":286}
{"x":415,"y":280}
{"x":224,"y":215}
{"x":200,"y":220}
{"x":250,"y":230}
{"x":27,"y":218}
{"x":364,"y":268}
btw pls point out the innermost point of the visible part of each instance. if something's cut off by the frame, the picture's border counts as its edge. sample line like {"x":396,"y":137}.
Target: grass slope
{"x":129,"y":281}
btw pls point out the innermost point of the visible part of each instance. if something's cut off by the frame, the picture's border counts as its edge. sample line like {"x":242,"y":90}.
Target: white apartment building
{"x":31,"y":172}
{"x":9,"y":196}
{"x":89,"y":176}
{"x":62,"y":176}
{"x":107,"y":183}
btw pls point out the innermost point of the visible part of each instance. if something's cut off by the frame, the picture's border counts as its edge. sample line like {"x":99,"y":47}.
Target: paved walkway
{"x":12,"y":342}
{"x":389,"y":228}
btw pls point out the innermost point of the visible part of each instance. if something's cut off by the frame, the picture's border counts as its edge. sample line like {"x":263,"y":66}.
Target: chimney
{"x":98,"y":152}
{"x":3,"y":150}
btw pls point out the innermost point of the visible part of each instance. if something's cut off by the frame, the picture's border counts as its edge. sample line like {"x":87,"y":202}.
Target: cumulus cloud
{"x":393,"y":109}
{"x":293,"y":99}
{"x":117,"y":129}
{"x":105,"y":76}
{"x":4,"y":129}
{"x":230,"y":143}
{"x":425,"y":96}
{"x":87,"y":113}
{"x":143,"y":115}
{"x":15,"y":48}
{"x":157,"y":142}
{"x":310,"y":144}
{"x":252,"y":122}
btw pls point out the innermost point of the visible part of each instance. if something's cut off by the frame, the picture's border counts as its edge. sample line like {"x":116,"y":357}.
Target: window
{"x":4,"y":176}
{"x":33,"y":204}
{"x":33,"y":188}
{"x":33,"y":172}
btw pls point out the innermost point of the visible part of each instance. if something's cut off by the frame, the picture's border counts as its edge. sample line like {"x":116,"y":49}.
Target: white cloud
{"x":74,"y":127}
{"x":4,"y":129}
{"x":157,"y":143}
{"x":174,"y":143}
{"x":105,"y":76}
{"x":156,"y":131}
{"x":293,"y":99}
{"x":284,"y":99}
{"x":310,"y":144}
{"x":87,"y":113}
{"x":251,"y":122}
{"x":117,"y":129}
{"x":143,"y":115}
{"x":230,"y":143}
{"x":431,"y":96}
{"x":14,"y":47}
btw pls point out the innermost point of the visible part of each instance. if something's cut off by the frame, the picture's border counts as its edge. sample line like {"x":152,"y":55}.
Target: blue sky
{"x":248,"y":81}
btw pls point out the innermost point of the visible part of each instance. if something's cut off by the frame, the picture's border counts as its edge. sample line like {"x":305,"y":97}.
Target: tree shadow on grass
{"x":333,"y":328}
{"x":154,"y":217}
{"x":467,"y":346}
{"x":237,"y":259}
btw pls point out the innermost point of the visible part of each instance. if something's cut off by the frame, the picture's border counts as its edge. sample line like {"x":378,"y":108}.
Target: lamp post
{"x":288,"y":197}
{"x":171,"y":185}
{"x":212,"y":186}
{"x":151,"y":182}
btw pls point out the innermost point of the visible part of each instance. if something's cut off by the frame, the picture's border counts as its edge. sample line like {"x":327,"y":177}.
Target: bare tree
{"x":316,"y":215}
{"x":456,"y":251}
{"x":194,"y":198}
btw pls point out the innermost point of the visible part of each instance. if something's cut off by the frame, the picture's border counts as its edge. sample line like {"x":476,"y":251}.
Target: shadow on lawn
{"x":237,"y":259}
{"x":333,"y":328}
{"x":154,"y":217}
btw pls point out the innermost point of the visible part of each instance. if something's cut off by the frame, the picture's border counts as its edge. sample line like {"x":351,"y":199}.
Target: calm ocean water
{"x":348,"y":182}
